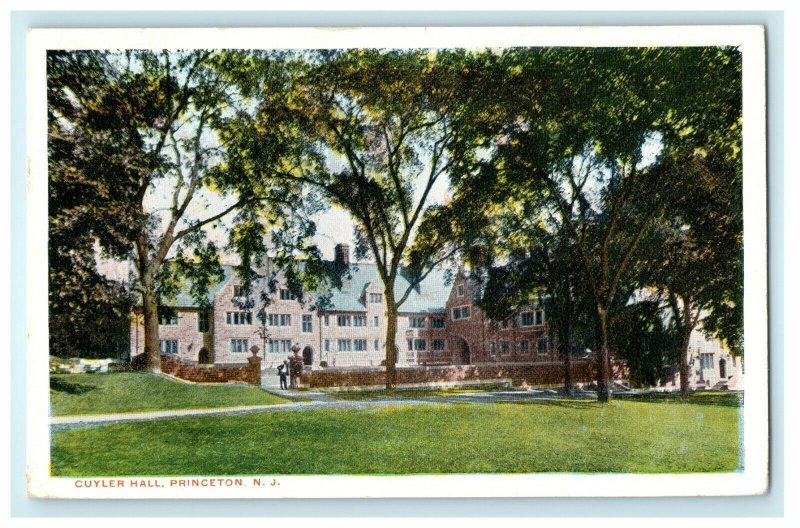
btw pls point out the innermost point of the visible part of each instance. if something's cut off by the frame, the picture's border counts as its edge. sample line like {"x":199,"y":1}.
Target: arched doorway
{"x":308,"y":355}
{"x":722,"y":369}
{"x":204,"y":356}
{"x":460,"y":350}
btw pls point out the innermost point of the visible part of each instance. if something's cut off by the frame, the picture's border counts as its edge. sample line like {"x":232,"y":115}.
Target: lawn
{"x":410,"y":394}
{"x":122,"y":392}
{"x":539,"y":436}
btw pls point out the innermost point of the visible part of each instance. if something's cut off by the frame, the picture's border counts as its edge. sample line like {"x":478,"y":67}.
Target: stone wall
{"x":248,"y":372}
{"x":523,"y":375}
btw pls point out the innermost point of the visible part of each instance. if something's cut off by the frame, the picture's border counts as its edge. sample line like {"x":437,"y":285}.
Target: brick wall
{"x":249,"y":372}
{"x":524,"y":375}
{"x":476,"y":339}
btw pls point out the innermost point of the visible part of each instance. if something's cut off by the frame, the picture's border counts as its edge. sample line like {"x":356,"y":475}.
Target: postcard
{"x":396,"y":262}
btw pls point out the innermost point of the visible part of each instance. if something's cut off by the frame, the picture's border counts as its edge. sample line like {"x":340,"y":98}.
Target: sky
{"x":334,"y":225}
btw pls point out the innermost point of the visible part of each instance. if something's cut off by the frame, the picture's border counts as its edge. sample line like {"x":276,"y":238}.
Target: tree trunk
{"x":684,"y":368}
{"x":391,"y":337}
{"x":603,"y":373}
{"x":152,"y":353}
{"x":563,"y":347}
{"x":688,"y":326}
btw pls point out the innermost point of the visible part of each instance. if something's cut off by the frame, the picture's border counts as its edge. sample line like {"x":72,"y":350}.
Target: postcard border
{"x":752,"y":480}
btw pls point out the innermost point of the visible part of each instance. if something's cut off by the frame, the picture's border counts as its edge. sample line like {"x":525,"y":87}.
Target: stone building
{"x":350,"y":331}
{"x":475,"y":338}
{"x":711,"y":365}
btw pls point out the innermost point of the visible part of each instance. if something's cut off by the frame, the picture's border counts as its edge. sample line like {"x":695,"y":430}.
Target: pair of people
{"x":293,"y":368}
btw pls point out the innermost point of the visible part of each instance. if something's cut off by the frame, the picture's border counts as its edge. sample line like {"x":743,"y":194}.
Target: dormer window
{"x":376,"y":297}
{"x":287,"y":295}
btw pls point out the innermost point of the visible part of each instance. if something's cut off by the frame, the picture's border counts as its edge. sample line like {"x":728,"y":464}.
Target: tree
{"x":698,"y":269}
{"x":144,"y":124}
{"x":380,"y":124}
{"x":88,"y":192}
{"x":586,"y":136}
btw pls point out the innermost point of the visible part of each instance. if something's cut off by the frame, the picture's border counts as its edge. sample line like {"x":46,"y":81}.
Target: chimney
{"x":341,"y":254}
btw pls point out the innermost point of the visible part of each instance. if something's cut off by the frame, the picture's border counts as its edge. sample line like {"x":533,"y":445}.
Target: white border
{"x":750,"y":39}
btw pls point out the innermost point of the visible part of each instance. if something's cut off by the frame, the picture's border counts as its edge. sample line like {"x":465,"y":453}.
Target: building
{"x":711,"y":365}
{"x":438,"y":324}
{"x":475,"y":338}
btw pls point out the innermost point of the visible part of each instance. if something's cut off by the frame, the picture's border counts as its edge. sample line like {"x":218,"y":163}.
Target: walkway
{"x":312,"y":401}
{"x":71,"y":422}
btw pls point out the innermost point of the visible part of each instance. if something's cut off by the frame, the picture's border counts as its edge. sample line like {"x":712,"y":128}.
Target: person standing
{"x":282,"y":373}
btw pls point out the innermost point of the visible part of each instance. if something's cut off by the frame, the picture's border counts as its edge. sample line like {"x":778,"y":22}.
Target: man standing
{"x":282,"y":372}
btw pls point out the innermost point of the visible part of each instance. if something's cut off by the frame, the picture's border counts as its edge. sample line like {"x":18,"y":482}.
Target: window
{"x":344,"y":320}
{"x":526,"y":319}
{"x":238,"y":346}
{"x":238,"y":291}
{"x":239,"y":318}
{"x":376,"y":297}
{"x":307,"y":323}
{"x":327,"y":345}
{"x":359,"y":320}
{"x":541,"y":346}
{"x":522,"y":346}
{"x":539,"y":318}
{"x":707,"y":361}
{"x":416,"y":322}
{"x":411,"y":344}
{"x":462,"y":312}
{"x":376,"y":321}
{"x":376,"y":345}
{"x":420,"y":344}
{"x":460,"y":290}
{"x":202,"y":321}
{"x":344,"y":345}
{"x":359,"y":345}
{"x":279,"y":320}
{"x":327,"y":321}
{"x":437,"y":322}
{"x":279,"y":346}
{"x":167,"y":316}
{"x":504,"y":347}
{"x":168,"y":346}
{"x":437,"y":344}
{"x":287,"y":295}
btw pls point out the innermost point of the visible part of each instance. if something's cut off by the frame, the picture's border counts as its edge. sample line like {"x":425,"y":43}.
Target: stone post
{"x":254,"y":365}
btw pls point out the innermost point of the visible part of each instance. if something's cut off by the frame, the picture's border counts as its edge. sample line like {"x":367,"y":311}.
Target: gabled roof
{"x":430,"y":296}
{"x":184,"y":298}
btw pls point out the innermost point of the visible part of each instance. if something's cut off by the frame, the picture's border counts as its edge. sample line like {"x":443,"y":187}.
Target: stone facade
{"x":441,"y":326}
{"x":474,"y":338}
{"x":354,"y":335}
{"x":711,"y":365}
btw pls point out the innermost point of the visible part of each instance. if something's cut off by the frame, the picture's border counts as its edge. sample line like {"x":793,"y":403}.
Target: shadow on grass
{"x":62,"y":385}
{"x":719,"y":399}
{"x":557,"y":402}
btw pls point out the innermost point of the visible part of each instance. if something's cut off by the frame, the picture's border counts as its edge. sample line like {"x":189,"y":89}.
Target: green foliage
{"x":644,"y":339}
{"x":606,"y":146}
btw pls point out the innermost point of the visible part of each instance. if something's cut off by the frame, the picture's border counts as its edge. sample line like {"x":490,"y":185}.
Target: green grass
{"x":380,"y":394}
{"x":123,"y":392}
{"x":542,"y":436}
